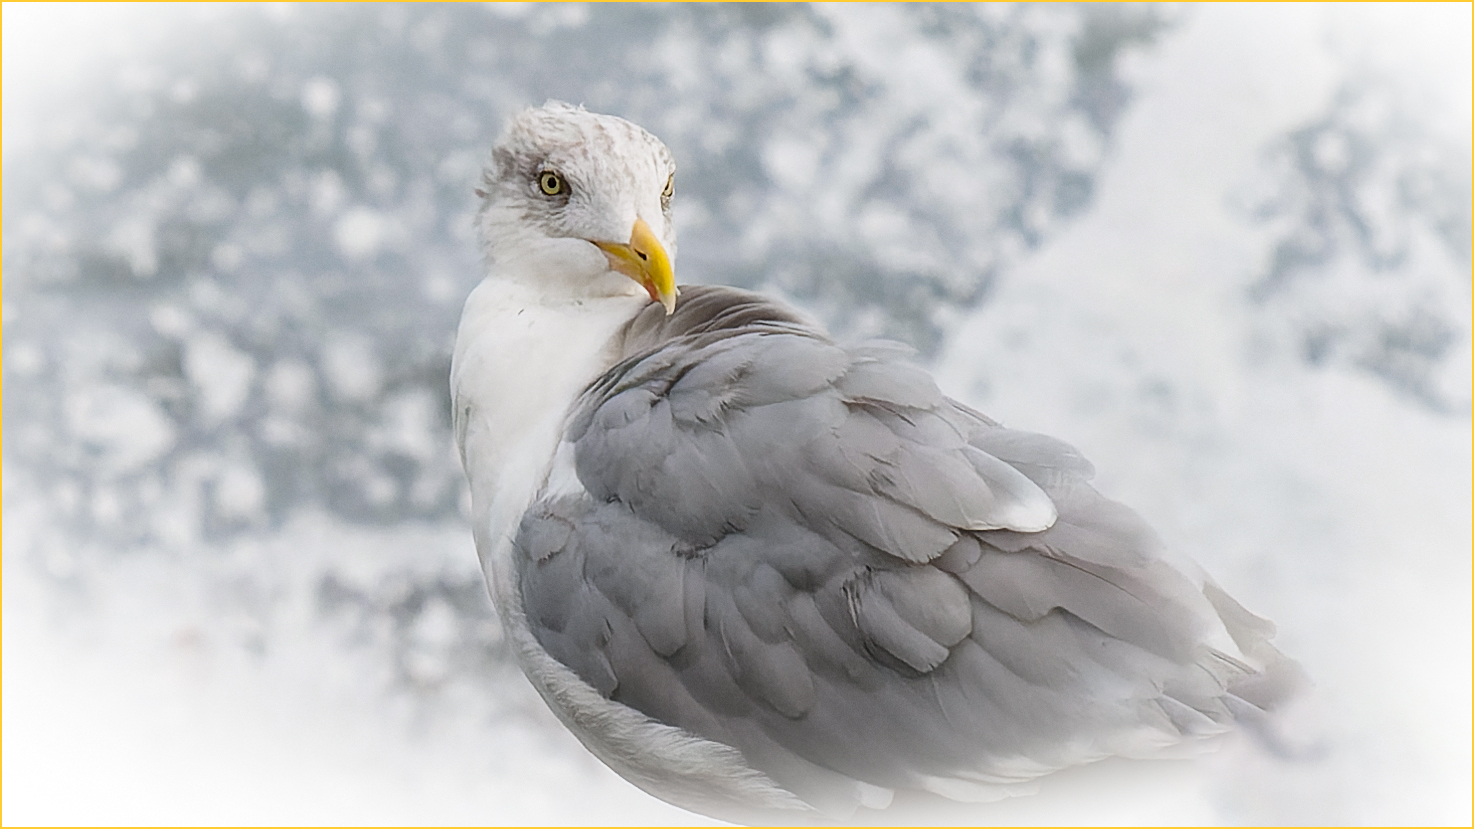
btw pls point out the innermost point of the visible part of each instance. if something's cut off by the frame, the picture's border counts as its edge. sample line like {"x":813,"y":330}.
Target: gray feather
{"x":807,"y":553}
{"x":885,"y":629}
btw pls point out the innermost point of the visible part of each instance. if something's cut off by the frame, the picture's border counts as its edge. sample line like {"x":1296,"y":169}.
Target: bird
{"x":767,"y":576}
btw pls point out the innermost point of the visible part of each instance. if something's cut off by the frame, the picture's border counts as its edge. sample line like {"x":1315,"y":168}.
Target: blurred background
{"x":1225,"y":250}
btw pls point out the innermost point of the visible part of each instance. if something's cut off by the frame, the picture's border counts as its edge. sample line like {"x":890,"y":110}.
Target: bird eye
{"x":551,"y":183}
{"x":670,"y":189}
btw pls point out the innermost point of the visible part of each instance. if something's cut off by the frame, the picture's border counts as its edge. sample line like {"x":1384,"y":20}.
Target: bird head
{"x":578,"y":204}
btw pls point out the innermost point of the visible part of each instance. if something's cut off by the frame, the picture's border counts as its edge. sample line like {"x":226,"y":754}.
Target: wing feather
{"x":808,"y":553}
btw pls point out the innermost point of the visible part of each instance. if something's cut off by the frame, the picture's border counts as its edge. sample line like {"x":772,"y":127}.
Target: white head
{"x":574,"y":202}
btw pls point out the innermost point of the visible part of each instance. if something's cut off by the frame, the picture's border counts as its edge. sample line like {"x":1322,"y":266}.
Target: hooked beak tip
{"x":645,"y":261}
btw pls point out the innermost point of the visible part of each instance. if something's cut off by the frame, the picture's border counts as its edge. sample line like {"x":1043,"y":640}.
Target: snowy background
{"x":1225,"y":250}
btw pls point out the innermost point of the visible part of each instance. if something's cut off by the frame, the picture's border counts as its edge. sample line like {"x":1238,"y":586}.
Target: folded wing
{"x":806,"y":552}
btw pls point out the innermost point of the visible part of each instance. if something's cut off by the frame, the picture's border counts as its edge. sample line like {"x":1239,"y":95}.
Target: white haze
{"x":1321,"y":496}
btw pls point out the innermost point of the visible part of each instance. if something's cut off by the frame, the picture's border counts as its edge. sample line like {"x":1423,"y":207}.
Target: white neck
{"x":520,"y":360}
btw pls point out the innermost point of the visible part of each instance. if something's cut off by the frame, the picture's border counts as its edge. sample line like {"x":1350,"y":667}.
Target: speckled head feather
{"x":612,"y":171}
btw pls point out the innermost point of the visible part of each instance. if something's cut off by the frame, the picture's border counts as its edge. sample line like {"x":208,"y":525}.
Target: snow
{"x":121,"y":426}
{"x":320,"y":96}
{"x":353,"y":370}
{"x":360,"y":232}
{"x":222,"y":373}
{"x":238,"y":586}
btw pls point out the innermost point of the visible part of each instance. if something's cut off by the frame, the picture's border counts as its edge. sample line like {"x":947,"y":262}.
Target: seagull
{"x":770,"y":577}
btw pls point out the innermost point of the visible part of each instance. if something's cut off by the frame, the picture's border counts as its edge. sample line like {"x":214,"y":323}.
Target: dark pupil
{"x":550,"y":183}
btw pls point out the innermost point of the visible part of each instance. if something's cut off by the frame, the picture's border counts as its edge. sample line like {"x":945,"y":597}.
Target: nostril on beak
{"x":641,"y":254}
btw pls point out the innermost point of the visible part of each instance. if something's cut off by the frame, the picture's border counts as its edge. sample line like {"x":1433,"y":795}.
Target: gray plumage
{"x":808,"y":553}
{"x":769,"y":577}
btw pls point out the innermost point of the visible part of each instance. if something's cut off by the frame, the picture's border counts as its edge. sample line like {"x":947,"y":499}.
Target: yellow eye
{"x":670,"y":189}
{"x":551,"y":183}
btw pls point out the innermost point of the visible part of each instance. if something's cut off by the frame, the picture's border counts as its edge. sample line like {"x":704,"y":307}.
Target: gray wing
{"x":806,"y":552}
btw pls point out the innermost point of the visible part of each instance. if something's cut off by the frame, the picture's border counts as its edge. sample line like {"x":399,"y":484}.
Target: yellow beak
{"x":644,"y":260}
